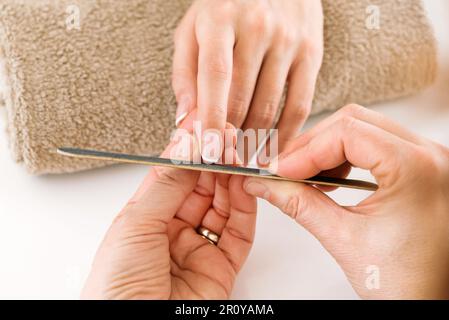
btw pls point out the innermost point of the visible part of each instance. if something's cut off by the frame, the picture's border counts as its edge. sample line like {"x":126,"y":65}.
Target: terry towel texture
{"x":107,"y":85}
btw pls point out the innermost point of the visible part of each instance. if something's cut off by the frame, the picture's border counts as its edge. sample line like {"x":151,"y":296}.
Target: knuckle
{"x":266,"y":118}
{"x":216,"y":114}
{"x":258,"y":20}
{"x":353,"y":110}
{"x":291,"y":206}
{"x":311,"y":47}
{"x":179,"y":75}
{"x":236,"y":116}
{"x":239,"y":103}
{"x":295,"y":208}
{"x":226,"y":6}
{"x":222,"y":11}
{"x":287,"y":36}
{"x":237,"y":107}
{"x":429,"y":160}
{"x":347,"y":123}
{"x":218,"y":68}
{"x":301,"y":111}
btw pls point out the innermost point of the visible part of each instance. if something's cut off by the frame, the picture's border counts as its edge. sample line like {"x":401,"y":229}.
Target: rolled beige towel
{"x":106,"y":85}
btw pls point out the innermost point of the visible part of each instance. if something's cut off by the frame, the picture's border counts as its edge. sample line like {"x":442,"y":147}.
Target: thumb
{"x":164,"y":190}
{"x":164,"y":194}
{"x":308,"y":206}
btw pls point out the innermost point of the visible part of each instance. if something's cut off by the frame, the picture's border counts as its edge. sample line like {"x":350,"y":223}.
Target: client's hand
{"x":394,"y":244}
{"x":153,"y":250}
{"x":233,"y":59}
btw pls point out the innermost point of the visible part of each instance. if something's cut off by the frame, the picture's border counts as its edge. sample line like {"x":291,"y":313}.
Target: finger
{"x":319,"y":214}
{"x":185,"y":66}
{"x":265,"y":105}
{"x":185,"y":130}
{"x":360,"y":113}
{"x":153,"y":195}
{"x":301,"y":88}
{"x":199,"y":201}
{"x":164,"y":194}
{"x":248,"y":56}
{"x":238,"y":234}
{"x":216,"y":217}
{"x":352,"y":140}
{"x":298,"y":104}
{"x":268,"y":93}
{"x":230,"y":155}
{"x":214,"y":73}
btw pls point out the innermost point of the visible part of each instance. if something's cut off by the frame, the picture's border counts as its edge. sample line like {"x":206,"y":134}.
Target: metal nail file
{"x":217,"y":168}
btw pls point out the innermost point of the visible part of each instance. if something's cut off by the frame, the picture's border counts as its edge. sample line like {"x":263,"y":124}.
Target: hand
{"x":153,"y":251}
{"x":233,"y":57}
{"x":401,"y":231}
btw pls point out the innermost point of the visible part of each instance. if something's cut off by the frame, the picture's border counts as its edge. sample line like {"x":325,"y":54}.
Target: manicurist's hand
{"x":233,"y":58}
{"x":153,"y":250}
{"x":394,"y":244}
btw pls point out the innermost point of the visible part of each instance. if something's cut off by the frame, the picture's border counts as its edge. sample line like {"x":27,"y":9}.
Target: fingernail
{"x":182,"y":110}
{"x":257,"y":189}
{"x":210,"y":159}
{"x":273,"y":167}
{"x":181,"y":117}
{"x":228,"y":157}
{"x":211,"y":146}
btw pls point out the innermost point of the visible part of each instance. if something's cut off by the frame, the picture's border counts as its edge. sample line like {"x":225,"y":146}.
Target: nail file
{"x":217,"y":168}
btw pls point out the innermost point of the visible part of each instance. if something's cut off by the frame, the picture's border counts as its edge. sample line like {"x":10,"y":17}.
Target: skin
{"x":233,"y":59}
{"x":152,"y":249}
{"x":402,"y":229}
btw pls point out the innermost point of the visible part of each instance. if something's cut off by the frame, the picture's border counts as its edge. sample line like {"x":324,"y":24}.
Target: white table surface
{"x":50,"y":226}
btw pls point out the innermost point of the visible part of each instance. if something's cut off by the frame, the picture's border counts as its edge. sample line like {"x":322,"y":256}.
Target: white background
{"x":50,"y":226}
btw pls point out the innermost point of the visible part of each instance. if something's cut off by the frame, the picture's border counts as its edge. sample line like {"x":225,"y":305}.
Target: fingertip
{"x":212,"y":146}
{"x":187,"y":123}
{"x":246,"y":181}
{"x":184,"y":106}
{"x":257,"y":188}
{"x":242,"y":199}
{"x":180,"y":118}
{"x":295,"y":165}
{"x":230,"y":126}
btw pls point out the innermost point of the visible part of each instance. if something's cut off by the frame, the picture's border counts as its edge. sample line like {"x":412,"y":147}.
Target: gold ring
{"x":209,"y":235}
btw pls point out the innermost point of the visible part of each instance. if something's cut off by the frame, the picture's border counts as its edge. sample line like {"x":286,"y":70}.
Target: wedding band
{"x":209,"y":235}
